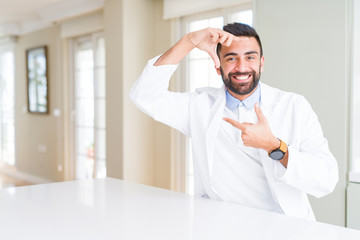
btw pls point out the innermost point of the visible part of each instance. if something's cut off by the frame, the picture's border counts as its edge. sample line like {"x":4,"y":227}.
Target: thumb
{"x":259,"y":113}
{"x":215,"y":58}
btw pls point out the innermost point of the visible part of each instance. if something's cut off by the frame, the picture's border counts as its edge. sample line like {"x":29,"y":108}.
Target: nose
{"x":241,"y":66}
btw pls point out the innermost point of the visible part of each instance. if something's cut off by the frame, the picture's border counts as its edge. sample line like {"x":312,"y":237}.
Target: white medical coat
{"x":311,"y":169}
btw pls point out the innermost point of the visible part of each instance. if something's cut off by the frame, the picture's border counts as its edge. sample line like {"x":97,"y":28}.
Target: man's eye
{"x":251,"y":57}
{"x":230,"y":59}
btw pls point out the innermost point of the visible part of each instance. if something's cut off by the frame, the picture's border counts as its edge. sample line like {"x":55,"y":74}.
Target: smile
{"x":241,"y":78}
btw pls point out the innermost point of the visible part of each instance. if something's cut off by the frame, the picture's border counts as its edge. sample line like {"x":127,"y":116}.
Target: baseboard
{"x":353,"y":207}
{"x":13,"y":172}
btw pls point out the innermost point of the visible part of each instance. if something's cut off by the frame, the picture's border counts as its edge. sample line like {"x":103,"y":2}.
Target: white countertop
{"x":114,"y":209}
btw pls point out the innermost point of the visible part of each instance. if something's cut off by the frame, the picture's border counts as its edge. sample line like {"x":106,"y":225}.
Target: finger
{"x":228,"y":41}
{"x":223,"y":38}
{"x":215,"y":58}
{"x":235,"y":123}
{"x":259,"y":113}
{"x":246,"y":124}
{"x":214,"y":36}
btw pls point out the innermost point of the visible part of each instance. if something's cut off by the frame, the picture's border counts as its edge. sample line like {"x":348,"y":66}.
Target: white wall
{"x":305,"y":48}
{"x":36,"y":131}
{"x":137,"y":147}
{"x":114,"y":87}
{"x":354,"y":175}
{"x":162,"y":161}
{"x":139,"y":153}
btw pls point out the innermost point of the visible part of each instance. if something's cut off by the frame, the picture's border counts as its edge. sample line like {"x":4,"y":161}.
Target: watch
{"x":279,"y":153}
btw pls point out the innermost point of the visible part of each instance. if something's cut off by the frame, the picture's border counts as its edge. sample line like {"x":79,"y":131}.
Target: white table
{"x":114,"y":209}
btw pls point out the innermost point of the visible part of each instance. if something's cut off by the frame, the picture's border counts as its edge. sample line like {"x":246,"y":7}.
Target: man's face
{"x":241,"y":66}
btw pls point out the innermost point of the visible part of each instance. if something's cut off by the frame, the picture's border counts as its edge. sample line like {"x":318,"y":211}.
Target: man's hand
{"x":205,"y":40}
{"x":208,"y":38}
{"x":257,"y":135}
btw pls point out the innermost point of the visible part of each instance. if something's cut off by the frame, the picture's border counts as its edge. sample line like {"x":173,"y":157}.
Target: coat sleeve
{"x":311,"y":166}
{"x":151,"y":95}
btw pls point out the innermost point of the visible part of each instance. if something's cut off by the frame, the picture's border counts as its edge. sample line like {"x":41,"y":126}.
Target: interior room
{"x":81,"y":124}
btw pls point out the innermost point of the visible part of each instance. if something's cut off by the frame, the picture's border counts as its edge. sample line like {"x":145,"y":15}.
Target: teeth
{"x":242,"y":77}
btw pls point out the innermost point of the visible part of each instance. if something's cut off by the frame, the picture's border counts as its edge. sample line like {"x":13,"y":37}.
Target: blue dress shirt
{"x":233,"y":103}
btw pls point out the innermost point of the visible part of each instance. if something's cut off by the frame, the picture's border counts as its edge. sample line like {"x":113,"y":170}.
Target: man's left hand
{"x":257,"y":135}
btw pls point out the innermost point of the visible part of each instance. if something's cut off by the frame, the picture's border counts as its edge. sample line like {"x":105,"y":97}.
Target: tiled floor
{"x":6,"y":181}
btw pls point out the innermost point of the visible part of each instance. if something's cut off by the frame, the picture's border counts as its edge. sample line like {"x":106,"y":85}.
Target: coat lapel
{"x":216,"y":114}
{"x":266,"y":104}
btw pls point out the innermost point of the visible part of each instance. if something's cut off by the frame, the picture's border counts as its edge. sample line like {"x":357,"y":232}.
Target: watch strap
{"x":283,"y":146}
{"x":279,"y":153}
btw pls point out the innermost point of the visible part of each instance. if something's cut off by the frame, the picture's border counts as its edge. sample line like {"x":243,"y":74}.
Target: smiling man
{"x":273,"y":152}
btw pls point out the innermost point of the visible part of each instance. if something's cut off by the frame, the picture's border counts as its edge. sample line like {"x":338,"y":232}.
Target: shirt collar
{"x":233,"y":103}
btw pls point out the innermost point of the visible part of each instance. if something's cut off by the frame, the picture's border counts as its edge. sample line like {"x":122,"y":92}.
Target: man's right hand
{"x":205,"y":40}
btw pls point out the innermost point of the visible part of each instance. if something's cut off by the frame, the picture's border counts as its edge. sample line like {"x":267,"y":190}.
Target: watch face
{"x":277,"y":155}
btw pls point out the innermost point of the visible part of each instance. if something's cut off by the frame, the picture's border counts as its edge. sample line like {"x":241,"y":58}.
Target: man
{"x":271,"y":155}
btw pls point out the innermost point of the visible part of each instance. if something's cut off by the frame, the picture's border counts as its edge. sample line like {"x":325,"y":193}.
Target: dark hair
{"x":240,"y":30}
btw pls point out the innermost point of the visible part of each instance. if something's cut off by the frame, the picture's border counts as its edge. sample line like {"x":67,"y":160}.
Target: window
{"x":7,"y":113}
{"x":89,"y":131}
{"x":199,"y":67}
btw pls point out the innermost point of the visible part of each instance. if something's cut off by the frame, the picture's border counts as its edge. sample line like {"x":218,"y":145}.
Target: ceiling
{"x":19,"y":17}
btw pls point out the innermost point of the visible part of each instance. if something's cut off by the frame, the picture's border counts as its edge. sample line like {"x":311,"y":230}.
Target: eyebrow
{"x":230,"y":54}
{"x":251,"y":52}
{"x":235,"y":54}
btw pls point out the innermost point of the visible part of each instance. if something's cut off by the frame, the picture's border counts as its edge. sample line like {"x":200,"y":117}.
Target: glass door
{"x":90,"y":107}
{"x":7,"y":111}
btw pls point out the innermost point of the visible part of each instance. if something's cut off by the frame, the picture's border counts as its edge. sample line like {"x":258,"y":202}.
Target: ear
{"x":218,"y":70}
{"x":262,"y":59}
